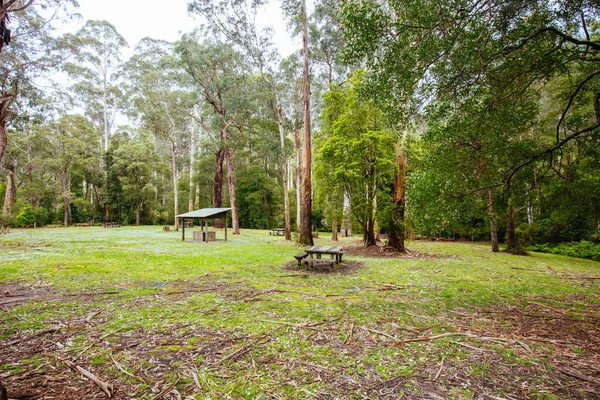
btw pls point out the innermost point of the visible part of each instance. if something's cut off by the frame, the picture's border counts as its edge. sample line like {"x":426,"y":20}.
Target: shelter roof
{"x":205,"y":213}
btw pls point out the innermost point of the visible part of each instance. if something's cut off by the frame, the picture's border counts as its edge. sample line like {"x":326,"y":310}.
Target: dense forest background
{"x":469,"y":119}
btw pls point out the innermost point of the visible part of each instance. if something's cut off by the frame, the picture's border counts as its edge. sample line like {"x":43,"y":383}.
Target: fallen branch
{"x":579,"y":376}
{"x":469,"y":346}
{"x":106,"y":387}
{"x":40,"y":333}
{"x":440,"y":370}
{"x":242,"y":350}
{"x":383,"y":334}
{"x":556,"y":310}
{"x":120,"y":368}
{"x":164,"y":392}
{"x":441,"y":335}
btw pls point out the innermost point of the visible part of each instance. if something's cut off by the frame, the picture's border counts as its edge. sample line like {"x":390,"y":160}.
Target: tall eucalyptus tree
{"x":236,"y":21}
{"x":97,"y":53}
{"x":218,"y":71}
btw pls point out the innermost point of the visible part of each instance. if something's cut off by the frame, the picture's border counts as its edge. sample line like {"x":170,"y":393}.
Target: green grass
{"x":292,"y":333}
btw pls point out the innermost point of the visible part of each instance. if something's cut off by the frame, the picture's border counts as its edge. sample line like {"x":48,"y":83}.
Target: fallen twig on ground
{"x":120,"y":368}
{"x":40,"y":333}
{"x":106,"y":387}
{"x":440,"y":370}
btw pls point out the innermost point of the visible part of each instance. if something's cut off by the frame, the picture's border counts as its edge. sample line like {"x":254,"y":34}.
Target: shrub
{"x":583,"y":249}
{"x":26,"y":217}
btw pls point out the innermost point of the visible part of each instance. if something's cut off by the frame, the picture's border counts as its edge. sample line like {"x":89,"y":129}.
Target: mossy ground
{"x":230,"y":320}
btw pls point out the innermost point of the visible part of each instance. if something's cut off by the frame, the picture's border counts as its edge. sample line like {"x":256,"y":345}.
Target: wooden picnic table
{"x":335,"y":252}
{"x":277,"y":232}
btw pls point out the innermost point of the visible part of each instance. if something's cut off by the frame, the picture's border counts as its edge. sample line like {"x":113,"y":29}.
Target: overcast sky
{"x":136,"y":19}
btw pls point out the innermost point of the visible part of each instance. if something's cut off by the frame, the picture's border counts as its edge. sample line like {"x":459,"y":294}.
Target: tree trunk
{"x":347,"y":217}
{"x":493,"y":224}
{"x":369,"y":233}
{"x":511,"y":232}
{"x":3,"y":395}
{"x":220,"y":156}
{"x":175,"y":194}
{"x":306,"y":230}
{"x":3,"y":138}
{"x":298,"y":180}
{"x":284,"y":175}
{"x":233,"y":199}
{"x":11,"y":190}
{"x":66,"y":195}
{"x":105,"y":114}
{"x":191,"y":185}
{"x":396,"y":234}
{"x":137,"y":213}
{"x":334,"y":233}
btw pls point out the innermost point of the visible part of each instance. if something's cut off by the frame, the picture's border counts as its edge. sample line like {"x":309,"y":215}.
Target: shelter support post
{"x":225,"y":226}
{"x":183,"y":231}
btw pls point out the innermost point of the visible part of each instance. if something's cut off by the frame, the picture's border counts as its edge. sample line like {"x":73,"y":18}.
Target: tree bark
{"x":334,"y":233}
{"x":231,"y":181}
{"x":396,"y":234}
{"x":511,"y":232}
{"x":306,"y":230}
{"x":218,"y":189}
{"x":347,"y":218}
{"x":191,"y":185}
{"x":298,"y":180}
{"x":4,"y":104}
{"x":11,"y":190}
{"x":284,"y":175}
{"x":175,"y":191}
{"x":66,"y":195}
{"x":493,"y":224}
{"x":3,"y":395}
{"x":137,"y":213}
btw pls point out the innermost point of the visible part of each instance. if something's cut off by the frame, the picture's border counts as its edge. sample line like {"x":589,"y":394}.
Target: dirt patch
{"x":382,"y":251}
{"x":345,"y":267}
{"x":12,"y":294}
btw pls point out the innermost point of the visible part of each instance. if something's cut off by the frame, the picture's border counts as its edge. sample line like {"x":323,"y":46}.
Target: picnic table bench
{"x":112,"y":224}
{"x":277,"y":232}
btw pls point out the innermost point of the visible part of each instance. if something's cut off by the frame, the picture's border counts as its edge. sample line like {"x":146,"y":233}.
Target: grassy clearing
{"x":234,"y":320}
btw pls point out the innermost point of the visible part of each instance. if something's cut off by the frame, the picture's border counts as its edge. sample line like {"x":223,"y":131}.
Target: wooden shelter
{"x":204,"y":215}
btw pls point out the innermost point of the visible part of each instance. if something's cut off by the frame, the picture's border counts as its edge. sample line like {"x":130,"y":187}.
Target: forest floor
{"x":136,"y":313}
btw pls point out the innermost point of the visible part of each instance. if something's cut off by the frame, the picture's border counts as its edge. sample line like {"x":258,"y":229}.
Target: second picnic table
{"x":277,"y":232}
